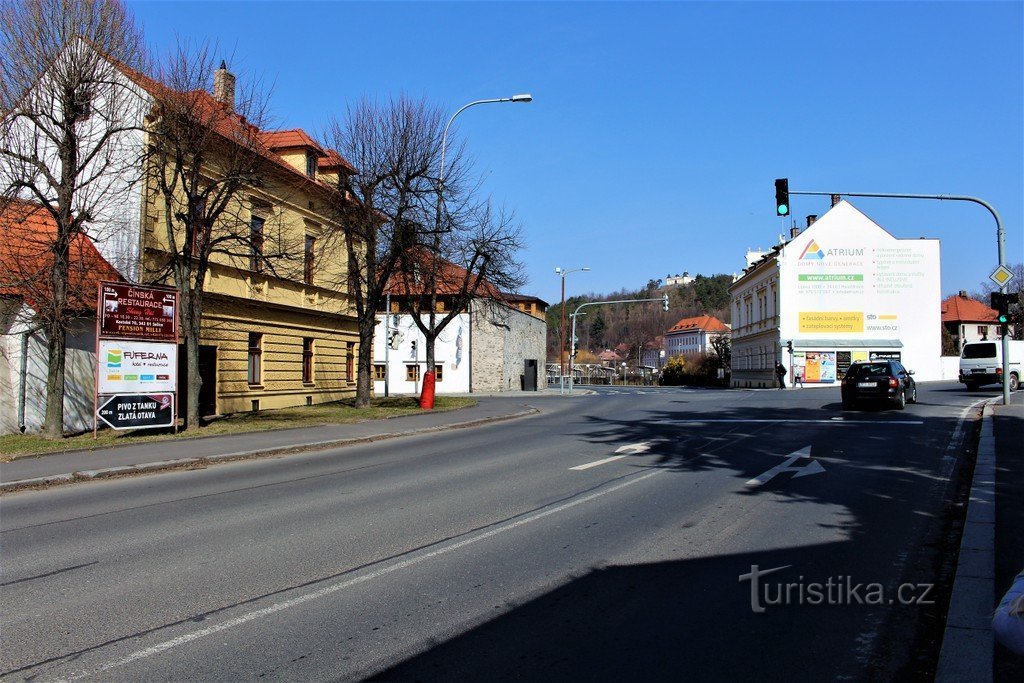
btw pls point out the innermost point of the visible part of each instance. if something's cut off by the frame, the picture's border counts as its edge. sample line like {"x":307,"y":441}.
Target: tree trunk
{"x":191,"y":323}
{"x":56,"y":346}
{"x":364,"y":374}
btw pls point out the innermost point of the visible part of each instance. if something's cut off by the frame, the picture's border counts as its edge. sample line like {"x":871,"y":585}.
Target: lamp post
{"x":524,"y":97}
{"x":561,"y":332}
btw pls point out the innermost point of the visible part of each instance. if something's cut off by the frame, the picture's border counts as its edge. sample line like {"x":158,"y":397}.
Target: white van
{"x":982,"y":363}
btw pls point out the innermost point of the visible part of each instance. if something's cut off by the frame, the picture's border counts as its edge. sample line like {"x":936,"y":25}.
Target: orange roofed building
{"x":26,"y":297}
{"x":271,"y":337}
{"x":968,"y":320}
{"x":694,"y":335}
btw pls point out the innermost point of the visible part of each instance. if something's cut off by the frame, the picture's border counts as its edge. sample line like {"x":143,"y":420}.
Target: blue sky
{"x":657,"y":130}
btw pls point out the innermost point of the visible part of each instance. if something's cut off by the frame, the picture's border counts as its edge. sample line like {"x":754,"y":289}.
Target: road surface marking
{"x":383,"y":570}
{"x":622,"y":452}
{"x":587,"y":466}
{"x":812,"y":467}
{"x":832,"y":421}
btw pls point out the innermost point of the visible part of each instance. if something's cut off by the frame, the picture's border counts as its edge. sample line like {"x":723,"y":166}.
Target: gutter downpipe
{"x":22,"y":376}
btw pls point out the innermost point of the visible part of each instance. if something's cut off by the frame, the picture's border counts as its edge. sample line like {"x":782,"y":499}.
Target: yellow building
{"x":278,"y":327}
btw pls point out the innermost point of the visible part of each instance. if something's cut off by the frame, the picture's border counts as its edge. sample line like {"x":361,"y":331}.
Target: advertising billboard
{"x":134,"y":411}
{"x":136,"y":312}
{"x":136,"y":367}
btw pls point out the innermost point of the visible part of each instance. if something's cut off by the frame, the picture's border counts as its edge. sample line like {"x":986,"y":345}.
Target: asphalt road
{"x":605,"y":538}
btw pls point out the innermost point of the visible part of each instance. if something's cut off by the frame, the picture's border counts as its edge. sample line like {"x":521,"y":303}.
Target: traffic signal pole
{"x":1000,"y":238}
{"x":572,"y":355}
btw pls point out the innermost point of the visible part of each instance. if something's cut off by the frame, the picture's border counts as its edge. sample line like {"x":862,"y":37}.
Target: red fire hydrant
{"x":427,"y":395}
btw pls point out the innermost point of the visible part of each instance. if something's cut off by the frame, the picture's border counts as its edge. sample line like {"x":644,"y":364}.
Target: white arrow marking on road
{"x":813,"y":467}
{"x":631,"y":449}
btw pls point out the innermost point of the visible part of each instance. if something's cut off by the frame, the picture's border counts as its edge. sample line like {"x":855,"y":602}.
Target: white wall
{"x":79,"y":374}
{"x":845,"y":278}
{"x":446,"y":353}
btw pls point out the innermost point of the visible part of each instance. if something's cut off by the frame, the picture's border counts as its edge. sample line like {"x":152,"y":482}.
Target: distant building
{"x":693,"y":335}
{"x":968,"y":319}
{"x":677,"y":280}
{"x":842,"y":290}
{"x":654,"y":353}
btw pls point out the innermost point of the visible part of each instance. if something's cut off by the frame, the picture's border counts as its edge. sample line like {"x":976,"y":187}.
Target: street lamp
{"x":525,"y":97}
{"x":561,"y":334}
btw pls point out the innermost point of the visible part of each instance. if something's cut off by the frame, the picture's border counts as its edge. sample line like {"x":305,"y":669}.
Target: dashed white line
{"x":588,"y":465}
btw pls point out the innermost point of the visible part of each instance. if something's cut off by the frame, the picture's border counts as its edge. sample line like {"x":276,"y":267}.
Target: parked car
{"x":879,"y":381}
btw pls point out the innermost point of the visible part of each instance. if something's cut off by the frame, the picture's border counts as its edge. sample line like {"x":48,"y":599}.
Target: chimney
{"x":835,"y":199}
{"x":224,"y":86}
{"x":811,"y":219}
{"x":794,"y":232}
{"x":963,"y":293}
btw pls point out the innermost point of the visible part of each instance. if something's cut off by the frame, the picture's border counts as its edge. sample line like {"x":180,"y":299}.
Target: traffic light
{"x":1001,"y":302}
{"x":782,"y":196}
{"x":789,"y":347}
{"x":664,"y":303}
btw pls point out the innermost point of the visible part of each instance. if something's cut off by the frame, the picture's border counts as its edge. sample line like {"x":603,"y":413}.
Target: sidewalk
{"x":72,"y":465}
{"x":991,"y":552}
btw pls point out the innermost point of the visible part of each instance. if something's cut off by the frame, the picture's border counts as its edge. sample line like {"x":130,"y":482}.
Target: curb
{"x":967,"y":643}
{"x":200,"y":463}
{"x":202,"y":437}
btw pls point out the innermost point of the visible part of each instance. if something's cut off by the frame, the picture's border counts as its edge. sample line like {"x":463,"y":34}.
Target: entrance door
{"x":530,"y":374}
{"x":208,"y":372}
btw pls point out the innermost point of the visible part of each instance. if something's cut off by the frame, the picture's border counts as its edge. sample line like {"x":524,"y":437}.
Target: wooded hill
{"x":605,"y":327}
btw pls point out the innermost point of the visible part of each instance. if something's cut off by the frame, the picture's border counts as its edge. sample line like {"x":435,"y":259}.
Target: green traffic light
{"x":1003,"y":319}
{"x":783,"y":210}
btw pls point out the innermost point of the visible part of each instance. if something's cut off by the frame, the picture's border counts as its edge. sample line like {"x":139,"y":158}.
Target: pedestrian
{"x":798,"y":377}
{"x":780,"y":370}
{"x":1008,"y":622}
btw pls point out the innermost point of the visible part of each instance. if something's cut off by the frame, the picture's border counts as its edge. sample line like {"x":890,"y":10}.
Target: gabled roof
{"x":609,"y":355}
{"x":705,"y":323}
{"x":234,"y":127}
{"x":332,"y":161}
{"x":959,"y":308}
{"x":296,"y":138}
{"x":27,"y":234}
{"x":450,"y":278}
{"x":526,"y":298}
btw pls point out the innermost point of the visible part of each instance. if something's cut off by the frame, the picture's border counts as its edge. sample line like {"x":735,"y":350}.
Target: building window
{"x":311,"y":164}
{"x":255,"y":358}
{"x":350,"y":362}
{"x":198,"y":226}
{"x":412,"y":373}
{"x":256,"y":244}
{"x":307,"y":360}
{"x":380,"y":372}
{"x":438,"y":373}
{"x":307,"y":271}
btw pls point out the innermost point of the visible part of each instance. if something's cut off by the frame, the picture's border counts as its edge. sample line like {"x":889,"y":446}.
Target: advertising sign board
{"x":135,"y":411}
{"x":133,"y":366}
{"x":136,"y":312}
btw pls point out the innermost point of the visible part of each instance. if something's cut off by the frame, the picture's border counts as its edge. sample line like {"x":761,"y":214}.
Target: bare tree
{"x":472,"y":256}
{"x":64,"y":142}
{"x":393,"y":147}
{"x":204,"y":153}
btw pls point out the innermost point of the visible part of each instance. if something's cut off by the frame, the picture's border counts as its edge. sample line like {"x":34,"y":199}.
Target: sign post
{"x":136,"y":356}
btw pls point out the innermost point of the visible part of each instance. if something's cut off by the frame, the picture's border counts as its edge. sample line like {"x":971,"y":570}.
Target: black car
{"x":882,"y":380}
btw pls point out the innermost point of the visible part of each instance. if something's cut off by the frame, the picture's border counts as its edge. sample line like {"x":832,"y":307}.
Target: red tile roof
{"x":290,"y":139}
{"x":965,"y":309}
{"x":609,"y":355}
{"x":450,"y":279}
{"x":707,"y":323}
{"x":236,"y":128}
{"x":332,"y":160}
{"x":27,"y":234}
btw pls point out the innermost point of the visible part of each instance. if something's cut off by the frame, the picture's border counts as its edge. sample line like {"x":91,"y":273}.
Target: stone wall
{"x":502,"y":339}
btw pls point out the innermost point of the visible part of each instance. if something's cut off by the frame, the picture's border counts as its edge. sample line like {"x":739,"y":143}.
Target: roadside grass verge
{"x":338,"y":412}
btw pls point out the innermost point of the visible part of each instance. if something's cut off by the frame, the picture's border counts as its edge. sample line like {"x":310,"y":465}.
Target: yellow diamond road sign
{"x":1001,"y":275}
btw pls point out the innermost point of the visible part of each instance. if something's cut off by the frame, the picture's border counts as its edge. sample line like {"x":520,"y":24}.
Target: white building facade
{"x":490,"y":348}
{"x":843,"y":290}
{"x":694,"y":335}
